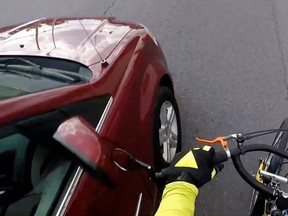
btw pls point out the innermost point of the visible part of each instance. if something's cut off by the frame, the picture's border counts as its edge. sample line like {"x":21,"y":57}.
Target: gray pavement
{"x":229,"y":64}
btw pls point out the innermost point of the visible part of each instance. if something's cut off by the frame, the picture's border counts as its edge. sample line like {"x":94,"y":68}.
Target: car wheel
{"x":167,"y":128}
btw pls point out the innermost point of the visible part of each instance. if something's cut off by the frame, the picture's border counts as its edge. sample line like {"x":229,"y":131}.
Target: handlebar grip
{"x":219,"y":157}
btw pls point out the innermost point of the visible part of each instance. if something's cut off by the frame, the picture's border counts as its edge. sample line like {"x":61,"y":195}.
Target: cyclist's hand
{"x":193,"y":166}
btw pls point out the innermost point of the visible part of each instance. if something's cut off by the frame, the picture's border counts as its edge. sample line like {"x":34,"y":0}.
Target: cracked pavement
{"x":110,"y":7}
{"x":229,"y":64}
{"x":279,"y":43}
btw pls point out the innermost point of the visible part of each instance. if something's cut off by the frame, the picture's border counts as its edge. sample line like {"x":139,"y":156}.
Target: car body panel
{"x":17,"y":108}
{"x":127,"y":97}
{"x":85,"y":40}
{"x":132,"y":76}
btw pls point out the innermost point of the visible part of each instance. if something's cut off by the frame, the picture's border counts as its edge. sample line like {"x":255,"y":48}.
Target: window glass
{"x":20,"y":75}
{"x":31,"y":176}
{"x":34,"y":168}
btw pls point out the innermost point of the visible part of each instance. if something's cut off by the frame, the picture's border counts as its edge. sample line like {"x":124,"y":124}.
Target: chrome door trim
{"x":103,"y":117}
{"x":139,"y":204}
{"x":79,"y":172}
{"x":70,"y":191}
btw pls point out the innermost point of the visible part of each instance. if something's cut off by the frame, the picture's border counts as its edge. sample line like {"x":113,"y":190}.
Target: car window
{"x":35,"y":170}
{"x":32,"y":176}
{"x":20,"y":75}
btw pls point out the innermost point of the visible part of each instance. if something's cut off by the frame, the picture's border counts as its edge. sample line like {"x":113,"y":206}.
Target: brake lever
{"x":220,"y":140}
{"x":239,"y":137}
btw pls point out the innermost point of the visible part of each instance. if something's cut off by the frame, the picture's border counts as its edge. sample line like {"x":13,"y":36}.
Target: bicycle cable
{"x":250,"y":135}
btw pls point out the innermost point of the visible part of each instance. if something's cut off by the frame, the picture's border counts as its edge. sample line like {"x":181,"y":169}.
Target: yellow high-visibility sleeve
{"x":178,"y":199}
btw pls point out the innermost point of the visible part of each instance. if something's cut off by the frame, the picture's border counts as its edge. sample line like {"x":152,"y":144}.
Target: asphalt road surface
{"x":228,"y":60}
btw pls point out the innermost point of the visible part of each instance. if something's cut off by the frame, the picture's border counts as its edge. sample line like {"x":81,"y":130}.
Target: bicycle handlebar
{"x":223,"y":155}
{"x":235,"y":155}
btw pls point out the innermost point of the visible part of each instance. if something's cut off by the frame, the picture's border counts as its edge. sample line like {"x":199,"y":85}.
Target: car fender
{"x":131,"y":115}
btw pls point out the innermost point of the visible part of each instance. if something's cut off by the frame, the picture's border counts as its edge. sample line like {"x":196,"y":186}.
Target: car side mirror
{"x":91,"y":151}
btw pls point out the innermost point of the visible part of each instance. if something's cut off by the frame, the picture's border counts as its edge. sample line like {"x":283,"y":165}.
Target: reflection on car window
{"x":31,"y":176}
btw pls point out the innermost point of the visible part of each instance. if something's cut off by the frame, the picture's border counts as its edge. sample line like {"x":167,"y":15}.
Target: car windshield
{"x":26,"y":74}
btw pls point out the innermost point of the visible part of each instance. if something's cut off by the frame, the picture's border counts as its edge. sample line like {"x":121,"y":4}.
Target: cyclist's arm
{"x":178,"y":199}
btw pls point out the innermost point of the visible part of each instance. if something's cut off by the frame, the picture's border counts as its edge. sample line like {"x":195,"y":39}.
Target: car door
{"x":104,"y":188}
{"x":135,"y":192}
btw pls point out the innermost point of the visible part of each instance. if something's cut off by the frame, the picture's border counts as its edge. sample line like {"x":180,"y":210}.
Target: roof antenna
{"x":103,"y":62}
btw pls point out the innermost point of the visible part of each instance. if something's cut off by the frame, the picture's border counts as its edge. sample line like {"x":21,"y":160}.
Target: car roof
{"x":85,"y":40}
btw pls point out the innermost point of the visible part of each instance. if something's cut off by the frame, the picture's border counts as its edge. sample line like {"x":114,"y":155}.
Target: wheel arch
{"x":167,"y":81}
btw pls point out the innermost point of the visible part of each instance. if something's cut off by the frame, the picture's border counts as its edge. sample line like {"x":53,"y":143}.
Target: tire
{"x":257,"y":204}
{"x":280,"y":142}
{"x":164,"y":100}
{"x":273,"y":164}
{"x":166,"y":128}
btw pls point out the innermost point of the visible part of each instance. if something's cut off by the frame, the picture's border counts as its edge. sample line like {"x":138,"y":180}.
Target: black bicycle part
{"x":274,"y":166}
{"x":251,"y":135}
{"x":258,"y":208}
{"x":235,"y":155}
{"x":276,"y":161}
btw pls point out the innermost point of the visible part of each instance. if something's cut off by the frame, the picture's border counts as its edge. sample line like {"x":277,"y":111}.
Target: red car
{"x":87,"y":105}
